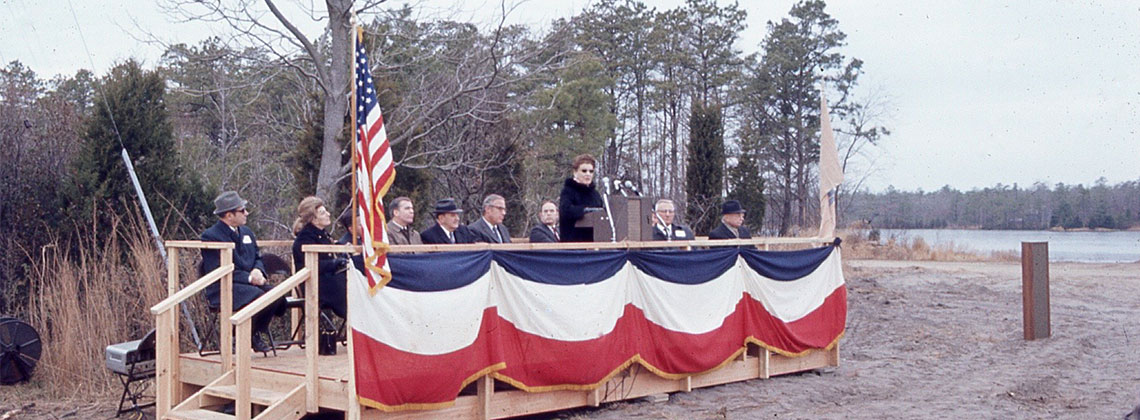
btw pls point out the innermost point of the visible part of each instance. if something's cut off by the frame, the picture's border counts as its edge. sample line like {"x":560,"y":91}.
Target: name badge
{"x":245,"y":239}
{"x":679,"y":233}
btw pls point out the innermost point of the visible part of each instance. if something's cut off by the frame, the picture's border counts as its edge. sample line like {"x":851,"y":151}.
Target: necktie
{"x":552,"y":229}
{"x":408,"y":234}
{"x":450,"y":238}
{"x":498,"y":233}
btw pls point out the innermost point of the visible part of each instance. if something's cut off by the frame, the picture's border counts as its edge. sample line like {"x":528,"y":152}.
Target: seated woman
{"x":309,"y":228}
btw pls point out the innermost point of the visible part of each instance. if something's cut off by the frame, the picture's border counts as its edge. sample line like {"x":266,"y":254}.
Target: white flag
{"x":830,"y":173}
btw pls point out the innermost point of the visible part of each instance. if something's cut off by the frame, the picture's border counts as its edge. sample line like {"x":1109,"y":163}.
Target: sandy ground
{"x":944,"y":340}
{"x":924,"y":340}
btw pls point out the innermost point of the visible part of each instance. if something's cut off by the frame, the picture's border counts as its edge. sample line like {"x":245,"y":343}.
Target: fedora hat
{"x":446,"y":205}
{"x":228,"y":201}
{"x":731,"y":207}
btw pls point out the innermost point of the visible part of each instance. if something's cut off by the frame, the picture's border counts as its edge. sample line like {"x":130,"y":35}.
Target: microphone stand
{"x":609,"y":216}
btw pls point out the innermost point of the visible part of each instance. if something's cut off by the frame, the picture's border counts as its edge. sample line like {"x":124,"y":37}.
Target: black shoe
{"x":259,"y":345}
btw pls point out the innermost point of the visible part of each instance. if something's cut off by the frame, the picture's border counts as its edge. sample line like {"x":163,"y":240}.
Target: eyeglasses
{"x":588,"y":171}
{"x":503,"y":208}
{"x":242,"y":210}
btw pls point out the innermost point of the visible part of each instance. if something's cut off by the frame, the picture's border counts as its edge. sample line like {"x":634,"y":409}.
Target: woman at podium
{"x":577,"y":199}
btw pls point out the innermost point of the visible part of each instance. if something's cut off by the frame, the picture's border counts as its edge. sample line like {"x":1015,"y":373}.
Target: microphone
{"x":617,"y":186}
{"x":606,"y":182}
{"x":631,"y":187}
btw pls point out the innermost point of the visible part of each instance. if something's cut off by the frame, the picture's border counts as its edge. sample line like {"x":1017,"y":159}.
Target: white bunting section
{"x":791,"y":300}
{"x":568,"y":313}
{"x":429,"y":323}
{"x":691,"y":308}
{"x":433,"y":323}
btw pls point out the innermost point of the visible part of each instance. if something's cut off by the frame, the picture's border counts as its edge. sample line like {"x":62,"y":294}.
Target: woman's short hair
{"x":306,"y":212}
{"x":584,"y":158}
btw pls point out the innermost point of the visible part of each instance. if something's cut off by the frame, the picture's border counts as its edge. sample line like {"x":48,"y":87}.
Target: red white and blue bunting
{"x":570,"y":320}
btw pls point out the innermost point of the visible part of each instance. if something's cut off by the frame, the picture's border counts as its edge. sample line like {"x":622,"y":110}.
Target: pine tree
{"x":704,"y":177}
{"x":134,"y":118}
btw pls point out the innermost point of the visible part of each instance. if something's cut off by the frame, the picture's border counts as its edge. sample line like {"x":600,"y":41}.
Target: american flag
{"x":375,"y":172}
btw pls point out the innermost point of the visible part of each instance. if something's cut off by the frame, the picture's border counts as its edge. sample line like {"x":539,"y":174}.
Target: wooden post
{"x":226,"y":310}
{"x":312,"y":332}
{"x":1035,"y":289}
{"x":164,"y":359}
{"x":484,"y":388}
{"x":242,"y":371}
{"x":172,"y":287}
{"x":353,"y":412}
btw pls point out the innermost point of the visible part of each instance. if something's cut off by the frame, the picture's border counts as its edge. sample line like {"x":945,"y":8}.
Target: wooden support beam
{"x":172,"y":286}
{"x":1035,"y":289}
{"x":485,"y":388}
{"x":594,"y":398}
{"x":242,"y":371}
{"x":353,"y":404}
{"x":165,"y":358}
{"x":225,"y":332}
{"x":765,"y":360}
{"x":312,"y":332}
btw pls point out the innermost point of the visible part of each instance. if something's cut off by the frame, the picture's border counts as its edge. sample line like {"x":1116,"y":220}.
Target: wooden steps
{"x":259,"y":396}
{"x":197,"y":414}
{"x":270,"y":404}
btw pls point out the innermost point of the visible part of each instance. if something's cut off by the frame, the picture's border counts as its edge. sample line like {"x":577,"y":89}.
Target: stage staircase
{"x":284,"y":401}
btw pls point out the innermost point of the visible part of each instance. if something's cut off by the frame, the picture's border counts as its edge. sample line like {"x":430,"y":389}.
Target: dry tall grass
{"x":80,"y":305}
{"x":860,"y":243}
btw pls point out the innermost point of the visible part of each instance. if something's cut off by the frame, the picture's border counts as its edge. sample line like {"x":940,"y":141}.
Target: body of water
{"x":1063,"y":246}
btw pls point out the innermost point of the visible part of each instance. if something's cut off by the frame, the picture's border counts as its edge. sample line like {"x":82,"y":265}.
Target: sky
{"x":973,"y":93}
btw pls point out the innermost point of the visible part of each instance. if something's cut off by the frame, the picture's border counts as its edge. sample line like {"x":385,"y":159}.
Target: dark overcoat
{"x":676,"y":232}
{"x":332,"y":288}
{"x":542,"y":233}
{"x":572,"y":205}
{"x":723,"y":232}
{"x":247,"y":257}
{"x":436,"y":235}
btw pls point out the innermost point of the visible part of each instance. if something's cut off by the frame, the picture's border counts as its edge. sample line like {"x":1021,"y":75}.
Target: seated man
{"x":547,"y":231}
{"x":447,"y":229}
{"x":400,"y":230}
{"x":489,"y":228}
{"x":664,"y":229}
{"x":731,"y":222}
{"x":249,"y":272}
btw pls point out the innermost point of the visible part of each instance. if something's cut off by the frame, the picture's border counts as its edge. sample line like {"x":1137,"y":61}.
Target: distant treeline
{"x":1001,"y":207}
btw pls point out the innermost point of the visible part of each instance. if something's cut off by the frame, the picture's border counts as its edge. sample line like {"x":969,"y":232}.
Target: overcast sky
{"x":978,"y":92}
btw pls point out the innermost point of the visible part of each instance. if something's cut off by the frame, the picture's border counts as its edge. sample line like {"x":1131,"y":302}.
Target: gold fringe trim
{"x":494,"y":369}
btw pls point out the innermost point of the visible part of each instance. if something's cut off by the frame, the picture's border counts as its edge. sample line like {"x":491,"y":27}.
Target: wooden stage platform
{"x":488,"y":398}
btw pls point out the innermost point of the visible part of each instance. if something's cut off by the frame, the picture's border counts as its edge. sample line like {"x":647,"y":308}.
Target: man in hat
{"x":249,"y":279}
{"x":664,"y":229}
{"x":489,"y":228}
{"x":731,"y":222}
{"x":447,"y":229}
{"x":400,"y":230}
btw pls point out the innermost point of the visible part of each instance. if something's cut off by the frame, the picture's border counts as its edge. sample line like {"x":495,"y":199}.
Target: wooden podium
{"x":631,"y":219}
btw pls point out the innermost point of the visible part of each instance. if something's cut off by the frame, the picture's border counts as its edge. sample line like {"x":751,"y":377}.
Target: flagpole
{"x":353,"y":412}
{"x":352,"y":112}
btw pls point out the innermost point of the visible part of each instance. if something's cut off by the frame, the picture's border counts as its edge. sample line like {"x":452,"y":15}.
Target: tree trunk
{"x":336,"y":98}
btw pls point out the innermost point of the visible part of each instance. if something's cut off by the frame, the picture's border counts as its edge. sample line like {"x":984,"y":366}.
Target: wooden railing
{"x":243,"y":321}
{"x":167,"y":378}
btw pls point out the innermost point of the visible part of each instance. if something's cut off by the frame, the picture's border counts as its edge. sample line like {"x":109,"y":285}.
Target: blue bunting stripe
{"x":444,"y":271}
